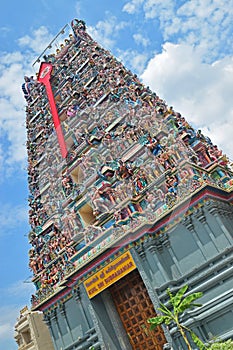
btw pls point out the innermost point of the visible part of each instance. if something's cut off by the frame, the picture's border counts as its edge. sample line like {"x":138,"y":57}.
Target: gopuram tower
{"x":126,"y":199}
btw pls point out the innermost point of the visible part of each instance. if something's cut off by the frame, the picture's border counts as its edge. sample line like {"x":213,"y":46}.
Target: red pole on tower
{"x":44,"y":78}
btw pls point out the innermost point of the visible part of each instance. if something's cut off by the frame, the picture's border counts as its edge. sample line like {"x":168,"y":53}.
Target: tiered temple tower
{"x":126,"y":200}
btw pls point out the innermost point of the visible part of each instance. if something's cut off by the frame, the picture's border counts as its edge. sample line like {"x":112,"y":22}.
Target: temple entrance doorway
{"x":134,"y":307}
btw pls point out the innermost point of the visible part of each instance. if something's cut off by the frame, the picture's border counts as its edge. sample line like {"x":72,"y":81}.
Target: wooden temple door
{"x":135,"y":307}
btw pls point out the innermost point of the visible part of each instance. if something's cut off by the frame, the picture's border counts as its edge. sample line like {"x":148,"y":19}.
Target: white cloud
{"x":201,"y":92}
{"x":10,"y":82}
{"x":132,"y":6}
{"x":20,"y":289}
{"x":6,"y":330}
{"x":13,"y":67}
{"x":38,"y":41}
{"x":10,"y":58}
{"x":8,"y":317}
{"x":138,"y":62}
{"x":12,"y":216}
{"x":140,"y":39}
{"x":133,"y":60}
{"x":78,"y":8}
{"x":12,"y":115}
{"x":209,"y":22}
{"x":4,"y":32}
{"x":206,"y":24}
{"x":161,"y":9}
{"x":1,"y":162}
{"x":105,"y":32}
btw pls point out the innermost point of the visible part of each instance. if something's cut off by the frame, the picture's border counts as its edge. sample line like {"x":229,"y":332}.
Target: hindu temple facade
{"x":126,"y":199}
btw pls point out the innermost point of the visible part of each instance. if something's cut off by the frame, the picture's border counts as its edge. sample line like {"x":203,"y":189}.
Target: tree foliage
{"x":227,"y":345}
{"x":178,"y":304}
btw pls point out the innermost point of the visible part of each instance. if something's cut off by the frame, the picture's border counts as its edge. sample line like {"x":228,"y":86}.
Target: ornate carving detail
{"x":47,"y":319}
{"x":62,"y":309}
{"x":141,"y":251}
{"x":188,"y":223}
{"x":53,"y":315}
{"x":200,"y":215}
{"x":159,"y":242}
{"x":151,"y":247}
{"x":76,"y":294}
{"x":219,"y":208}
{"x":164,"y":239}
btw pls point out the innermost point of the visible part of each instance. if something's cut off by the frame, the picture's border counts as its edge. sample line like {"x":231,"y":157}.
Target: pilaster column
{"x":63,"y":314}
{"x":217,"y":210}
{"x":55,"y":320}
{"x":155,"y":247}
{"x":176,"y":262}
{"x":188,"y":223}
{"x":77,"y":297}
{"x":142,"y":254}
{"x":165,"y":241}
{"x":47,"y":321}
{"x":162,"y":242}
{"x":200,"y":215}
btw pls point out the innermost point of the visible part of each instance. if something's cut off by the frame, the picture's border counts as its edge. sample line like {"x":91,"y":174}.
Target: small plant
{"x":179,"y":303}
{"x":227,"y":345}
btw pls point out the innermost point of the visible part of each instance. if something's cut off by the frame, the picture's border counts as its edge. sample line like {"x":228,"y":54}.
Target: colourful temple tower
{"x":126,"y":200}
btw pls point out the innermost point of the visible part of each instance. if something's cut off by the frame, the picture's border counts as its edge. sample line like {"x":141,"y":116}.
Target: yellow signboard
{"x":108,"y":275}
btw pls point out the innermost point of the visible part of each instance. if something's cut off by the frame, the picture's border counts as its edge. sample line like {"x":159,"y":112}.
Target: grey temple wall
{"x":198,"y":252}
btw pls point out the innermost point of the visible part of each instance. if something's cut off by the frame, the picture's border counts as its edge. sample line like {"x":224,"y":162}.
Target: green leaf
{"x":198,"y":341}
{"x":187,"y":302}
{"x":195,"y":304}
{"x":176,"y":299}
{"x":165,"y":310}
{"x":168,"y":321}
{"x":169,"y":293}
{"x":156,"y":321}
{"x":227,"y":345}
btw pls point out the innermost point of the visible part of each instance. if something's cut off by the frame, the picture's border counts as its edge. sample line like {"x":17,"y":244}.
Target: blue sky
{"x":181,"y":49}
